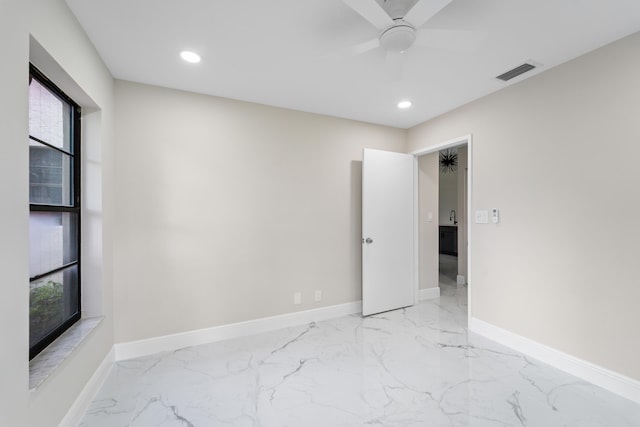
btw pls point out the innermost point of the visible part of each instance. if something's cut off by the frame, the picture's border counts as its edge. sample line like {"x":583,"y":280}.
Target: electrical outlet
{"x":297,"y":298}
{"x":318,"y":295}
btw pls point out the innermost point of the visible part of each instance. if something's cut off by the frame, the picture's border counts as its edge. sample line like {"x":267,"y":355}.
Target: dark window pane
{"x":52,"y":300}
{"x":49,"y":117}
{"x":53,"y":240}
{"x":50,"y":176}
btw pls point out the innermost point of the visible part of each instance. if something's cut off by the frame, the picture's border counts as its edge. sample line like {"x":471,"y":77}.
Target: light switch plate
{"x":482,"y":217}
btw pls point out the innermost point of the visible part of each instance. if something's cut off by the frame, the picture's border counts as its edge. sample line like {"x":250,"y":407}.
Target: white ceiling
{"x":288,"y":53}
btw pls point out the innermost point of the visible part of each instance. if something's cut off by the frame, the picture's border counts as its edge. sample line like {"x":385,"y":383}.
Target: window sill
{"x":43,"y":365}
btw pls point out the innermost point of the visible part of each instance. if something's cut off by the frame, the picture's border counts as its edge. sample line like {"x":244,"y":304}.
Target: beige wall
{"x":57,"y":31}
{"x":14,"y":250}
{"x":557,"y":154}
{"x":428,"y":183}
{"x":227,"y":208}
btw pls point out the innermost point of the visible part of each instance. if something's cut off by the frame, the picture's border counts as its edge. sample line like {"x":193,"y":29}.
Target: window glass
{"x":52,"y":300}
{"x":52,"y":241}
{"x":49,"y":117}
{"x":50,"y":176}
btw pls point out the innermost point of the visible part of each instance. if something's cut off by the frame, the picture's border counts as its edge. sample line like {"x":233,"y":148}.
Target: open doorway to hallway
{"x":442,"y":217}
{"x":452,"y":213}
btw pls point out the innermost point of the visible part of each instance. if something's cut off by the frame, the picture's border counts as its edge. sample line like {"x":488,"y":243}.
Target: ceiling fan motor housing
{"x":399,"y":37}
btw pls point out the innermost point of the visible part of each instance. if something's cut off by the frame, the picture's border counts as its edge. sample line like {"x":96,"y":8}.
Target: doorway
{"x":442,"y":226}
{"x":449,"y":214}
{"x":452,"y":190}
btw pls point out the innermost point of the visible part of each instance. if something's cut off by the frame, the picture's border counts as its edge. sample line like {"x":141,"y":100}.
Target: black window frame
{"x":74,"y":207}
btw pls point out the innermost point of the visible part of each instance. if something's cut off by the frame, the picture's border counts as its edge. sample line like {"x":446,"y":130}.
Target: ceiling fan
{"x":399,"y":23}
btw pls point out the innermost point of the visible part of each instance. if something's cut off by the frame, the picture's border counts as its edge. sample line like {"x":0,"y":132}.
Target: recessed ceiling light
{"x":190,"y":56}
{"x":404,"y":104}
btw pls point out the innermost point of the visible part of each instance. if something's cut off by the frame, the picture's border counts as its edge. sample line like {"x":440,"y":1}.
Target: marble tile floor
{"x":448,"y":270}
{"x":411,"y":367}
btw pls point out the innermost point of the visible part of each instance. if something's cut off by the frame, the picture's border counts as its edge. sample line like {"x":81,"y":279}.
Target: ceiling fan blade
{"x":353,"y":50}
{"x":372,"y":12}
{"x":450,"y":39}
{"x":394,"y":66}
{"x":424,"y":10}
{"x":363,"y":47}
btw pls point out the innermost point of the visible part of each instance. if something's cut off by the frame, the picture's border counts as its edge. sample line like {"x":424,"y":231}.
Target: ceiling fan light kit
{"x":398,"y":38}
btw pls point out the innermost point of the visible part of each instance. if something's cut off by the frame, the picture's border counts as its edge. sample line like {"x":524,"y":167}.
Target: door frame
{"x":455,"y":142}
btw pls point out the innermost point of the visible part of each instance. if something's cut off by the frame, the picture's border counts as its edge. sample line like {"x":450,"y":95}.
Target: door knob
{"x":368,"y":240}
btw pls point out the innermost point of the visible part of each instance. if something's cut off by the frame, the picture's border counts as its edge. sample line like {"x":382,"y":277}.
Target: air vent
{"x":516,"y":72}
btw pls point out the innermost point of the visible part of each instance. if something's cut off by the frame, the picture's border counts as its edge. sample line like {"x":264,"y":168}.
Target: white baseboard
{"x":609,"y":380}
{"x":429,"y":293}
{"x":84,"y":399}
{"x":132,"y":349}
{"x":460,"y":280}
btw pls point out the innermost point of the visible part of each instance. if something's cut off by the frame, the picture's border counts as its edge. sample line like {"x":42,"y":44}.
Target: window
{"x":54,"y":204}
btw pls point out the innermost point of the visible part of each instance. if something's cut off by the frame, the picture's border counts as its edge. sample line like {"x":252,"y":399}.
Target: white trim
{"x":132,"y":349}
{"x":609,"y":380}
{"x":469,"y":220}
{"x":442,"y":145}
{"x":429,"y":293}
{"x":81,"y":404}
{"x":460,"y":280}
{"x":416,"y":233}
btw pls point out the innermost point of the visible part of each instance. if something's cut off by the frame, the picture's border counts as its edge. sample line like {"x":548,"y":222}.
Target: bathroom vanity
{"x":449,"y":239}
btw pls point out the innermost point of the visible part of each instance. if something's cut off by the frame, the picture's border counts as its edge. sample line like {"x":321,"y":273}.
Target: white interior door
{"x":387,"y":231}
